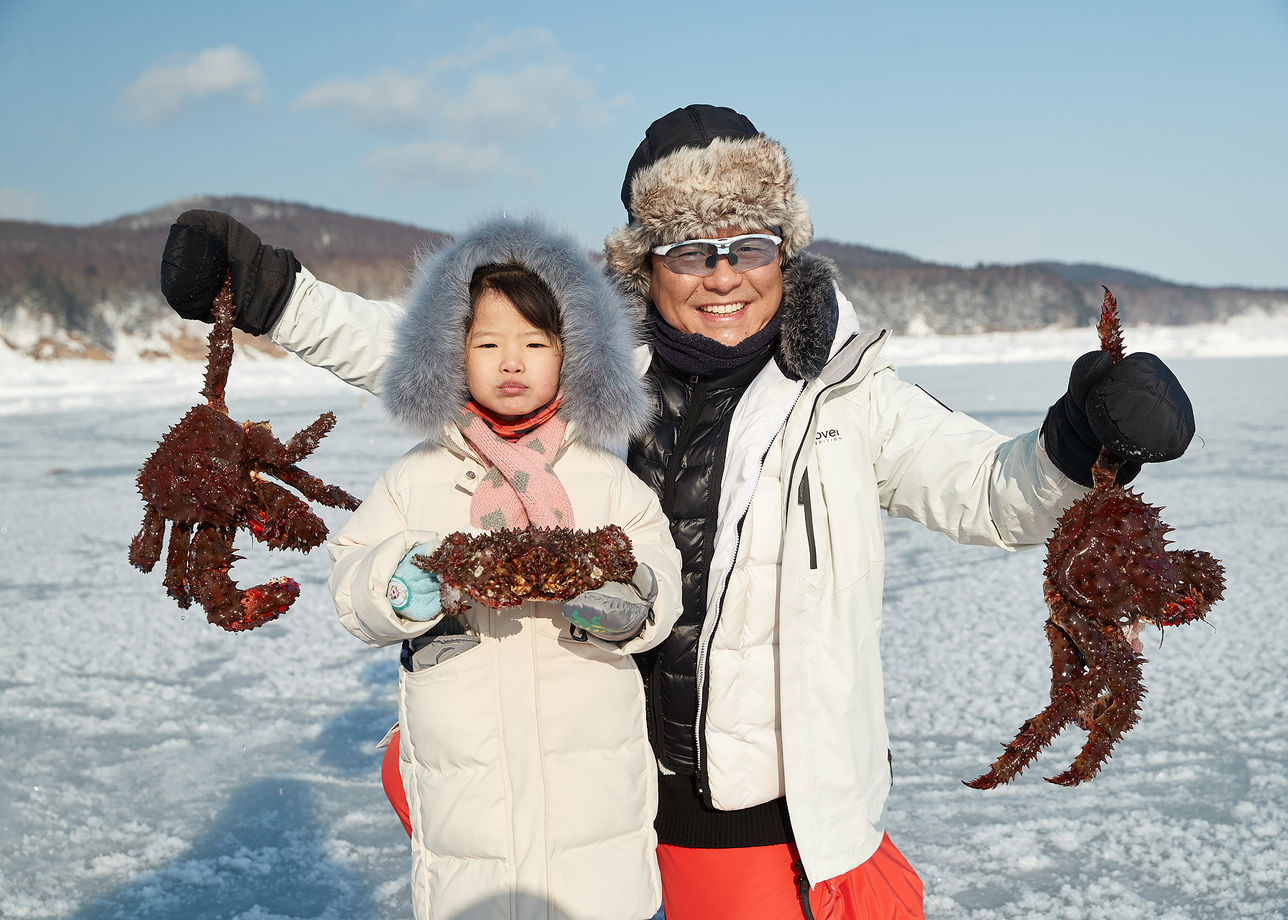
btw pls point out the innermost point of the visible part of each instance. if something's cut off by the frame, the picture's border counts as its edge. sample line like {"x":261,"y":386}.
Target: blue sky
{"x":1146,"y":135}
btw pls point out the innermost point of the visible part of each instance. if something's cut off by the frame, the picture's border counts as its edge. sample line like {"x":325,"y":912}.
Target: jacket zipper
{"x":804,"y":500}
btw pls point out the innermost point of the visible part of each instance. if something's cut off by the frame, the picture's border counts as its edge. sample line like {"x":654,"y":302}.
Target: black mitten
{"x":202,"y":246}
{"x":1137,"y":409}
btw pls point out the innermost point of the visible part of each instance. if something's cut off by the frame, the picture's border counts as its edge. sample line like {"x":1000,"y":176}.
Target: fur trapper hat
{"x":602,"y":394}
{"x":701,"y":169}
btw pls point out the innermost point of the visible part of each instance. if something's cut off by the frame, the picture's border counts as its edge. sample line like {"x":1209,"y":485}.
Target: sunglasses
{"x":699,"y":257}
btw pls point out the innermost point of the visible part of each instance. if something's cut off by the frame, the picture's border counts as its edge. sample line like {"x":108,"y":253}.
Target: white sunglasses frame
{"x":723,"y":245}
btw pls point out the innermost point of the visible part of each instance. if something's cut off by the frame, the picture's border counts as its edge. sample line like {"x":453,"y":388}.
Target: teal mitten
{"x":413,"y":592}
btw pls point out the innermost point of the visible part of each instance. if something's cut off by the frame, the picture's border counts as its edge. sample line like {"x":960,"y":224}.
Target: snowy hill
{"x":92,"y":292}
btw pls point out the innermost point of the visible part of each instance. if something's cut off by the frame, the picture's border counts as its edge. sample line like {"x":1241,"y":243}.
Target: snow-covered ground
{"x":157,"y":768}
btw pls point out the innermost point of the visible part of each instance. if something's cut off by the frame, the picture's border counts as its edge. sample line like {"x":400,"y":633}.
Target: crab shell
{"x":194,"y":474}
{"x":1108,"y":556}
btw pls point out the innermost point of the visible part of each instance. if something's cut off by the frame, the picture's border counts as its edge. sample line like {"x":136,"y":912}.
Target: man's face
{"x":727,"y":306}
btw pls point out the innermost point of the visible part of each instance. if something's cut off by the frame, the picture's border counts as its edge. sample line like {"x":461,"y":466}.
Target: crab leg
{"x":221,"y":347}
{"x":280,"y":459}
{"x":306,"y":440}
{"x":1112,"y":715}
{"x":1109,"y":329}
{"x":1122,"y":713}
{"x":282,"y":520}
{"x":145,"y":548}
{"x":176,"y":565}
{"x":226,"y":605}
{"x":1067,"y":676}
{"x":1200,"y":584}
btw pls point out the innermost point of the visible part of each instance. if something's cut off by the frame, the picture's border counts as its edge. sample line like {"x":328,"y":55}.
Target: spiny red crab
{"x":206,"y":478}
{"x":504,"y":568}
{"x":1108,"y":572}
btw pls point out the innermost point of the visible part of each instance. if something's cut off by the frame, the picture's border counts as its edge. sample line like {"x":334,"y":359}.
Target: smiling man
{"x":781,"y":434}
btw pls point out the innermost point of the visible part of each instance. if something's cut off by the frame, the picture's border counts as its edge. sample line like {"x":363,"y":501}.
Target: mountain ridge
{"x":92,"y":291}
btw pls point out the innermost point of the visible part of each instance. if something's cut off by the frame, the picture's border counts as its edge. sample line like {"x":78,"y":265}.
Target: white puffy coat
{"x":792,"y":634}
{"x":525,"y":759}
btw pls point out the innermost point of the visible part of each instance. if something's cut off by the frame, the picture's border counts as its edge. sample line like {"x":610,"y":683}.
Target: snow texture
{"x":158,"y":768}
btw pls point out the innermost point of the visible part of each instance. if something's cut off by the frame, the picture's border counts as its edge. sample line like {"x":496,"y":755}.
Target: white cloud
{"x":494,"y":92}
{"x":520,"y":103}
{"x":21,"y":204}
{"x":384,"y":101}
{"x":443,"y":163}
{"x":166,"y":89}
{"x":484,"y":47}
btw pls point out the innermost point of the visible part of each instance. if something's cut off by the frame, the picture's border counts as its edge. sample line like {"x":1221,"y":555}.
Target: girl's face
{"x":511,"y":366}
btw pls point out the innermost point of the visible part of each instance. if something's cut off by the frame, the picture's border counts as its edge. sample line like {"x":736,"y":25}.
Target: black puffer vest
{"x":682,"y":459}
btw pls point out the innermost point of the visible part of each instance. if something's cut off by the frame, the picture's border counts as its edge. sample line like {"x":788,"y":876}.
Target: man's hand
{"x":1136,"y":409}
{"x":202,"y":247}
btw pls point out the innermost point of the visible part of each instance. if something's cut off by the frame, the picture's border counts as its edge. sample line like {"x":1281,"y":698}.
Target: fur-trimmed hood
{"x":424,"y":383}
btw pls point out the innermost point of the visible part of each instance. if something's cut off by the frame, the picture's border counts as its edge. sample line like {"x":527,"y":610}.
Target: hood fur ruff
{"x":602,"y":395}
{"x":694,"y":192}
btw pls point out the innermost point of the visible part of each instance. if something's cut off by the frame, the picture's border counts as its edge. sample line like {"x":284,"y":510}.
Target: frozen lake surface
{"x":157,"y":768}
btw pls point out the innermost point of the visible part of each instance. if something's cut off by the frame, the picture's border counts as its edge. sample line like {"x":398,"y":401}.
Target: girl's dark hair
{"x":529,"y":294}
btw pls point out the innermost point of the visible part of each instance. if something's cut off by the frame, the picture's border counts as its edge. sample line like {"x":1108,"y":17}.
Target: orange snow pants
{"x":762,"y":883}
{"x":391,"y":779}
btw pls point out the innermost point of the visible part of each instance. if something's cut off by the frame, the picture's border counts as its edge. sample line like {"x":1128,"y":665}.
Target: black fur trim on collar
{"x":810,"y":315}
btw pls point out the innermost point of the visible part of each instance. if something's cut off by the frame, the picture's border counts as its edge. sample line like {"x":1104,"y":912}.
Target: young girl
{"x":523,"y":749}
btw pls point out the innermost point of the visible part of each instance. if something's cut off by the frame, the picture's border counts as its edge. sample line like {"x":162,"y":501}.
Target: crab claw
{"x":258,"y":605}
{"x":226,"y":605}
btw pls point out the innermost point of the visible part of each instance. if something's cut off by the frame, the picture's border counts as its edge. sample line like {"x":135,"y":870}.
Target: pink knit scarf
{"x":520,"y":486}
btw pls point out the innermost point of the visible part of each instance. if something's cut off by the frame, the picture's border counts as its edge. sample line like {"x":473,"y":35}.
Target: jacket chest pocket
{"x":836,"y":545}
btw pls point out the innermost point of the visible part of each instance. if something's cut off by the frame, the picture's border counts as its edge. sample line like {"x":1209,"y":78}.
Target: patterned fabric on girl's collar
{"x":511,"y":429}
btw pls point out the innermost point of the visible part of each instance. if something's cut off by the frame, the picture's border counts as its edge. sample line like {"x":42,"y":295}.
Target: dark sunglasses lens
{"x":746,"y":254}
{"x":691,"y":259}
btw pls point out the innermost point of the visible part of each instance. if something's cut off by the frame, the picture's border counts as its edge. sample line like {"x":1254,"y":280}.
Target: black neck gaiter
{"x":693,"y":353}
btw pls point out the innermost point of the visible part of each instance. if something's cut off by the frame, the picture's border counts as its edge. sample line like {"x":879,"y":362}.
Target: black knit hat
{"x":700,"y":169}
{"x":691,"y":126}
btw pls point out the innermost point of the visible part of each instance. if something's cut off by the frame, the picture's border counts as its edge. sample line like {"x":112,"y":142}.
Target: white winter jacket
{"x":797,"y":572}
{"x":525,"y":759}
{"x":792,"y":635}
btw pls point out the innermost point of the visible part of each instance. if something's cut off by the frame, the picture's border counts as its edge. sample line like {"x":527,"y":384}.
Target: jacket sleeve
{"x":639,"y":514}
{"x":364,"y":554}
{"x":348,"y":335}
{"x":958,"y":476}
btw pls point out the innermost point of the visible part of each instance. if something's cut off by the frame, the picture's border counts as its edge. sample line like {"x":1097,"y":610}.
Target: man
{"x":766,"y":703}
